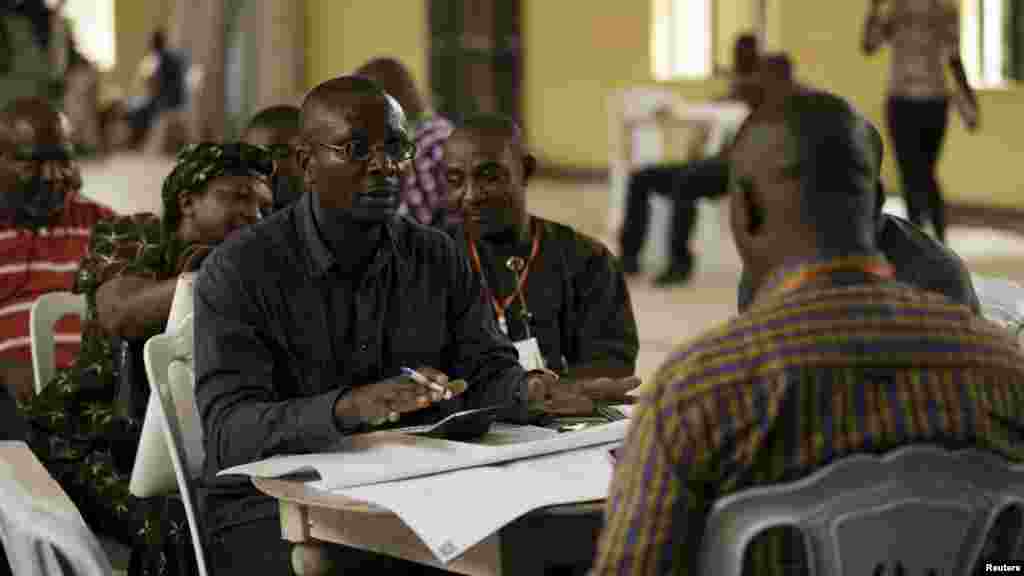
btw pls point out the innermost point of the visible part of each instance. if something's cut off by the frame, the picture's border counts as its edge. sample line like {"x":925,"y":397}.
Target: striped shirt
{"x":34,"y":263}
{"x":847,"y":363}
{"x":424,"y":190}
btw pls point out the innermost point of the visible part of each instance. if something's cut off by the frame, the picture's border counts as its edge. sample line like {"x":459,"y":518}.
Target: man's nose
{"x":53,"y":171}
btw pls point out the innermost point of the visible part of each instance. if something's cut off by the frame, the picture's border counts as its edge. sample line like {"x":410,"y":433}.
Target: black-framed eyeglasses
{"x":397,"y":150}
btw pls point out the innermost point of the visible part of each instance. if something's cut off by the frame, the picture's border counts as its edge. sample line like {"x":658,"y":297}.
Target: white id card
{"x":529,"y":354}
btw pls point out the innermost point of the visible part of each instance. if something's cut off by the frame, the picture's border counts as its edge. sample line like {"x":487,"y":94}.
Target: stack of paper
{"x":387,"y":456}
{"x":455,"y":494}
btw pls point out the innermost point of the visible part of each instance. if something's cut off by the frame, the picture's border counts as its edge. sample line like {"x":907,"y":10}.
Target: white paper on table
{"x":386,"y":456}
{"x":454,"y":511}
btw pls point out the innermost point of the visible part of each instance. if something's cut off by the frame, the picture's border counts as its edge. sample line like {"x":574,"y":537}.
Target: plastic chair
{"x":45,"y":312}
{"x":1002,"y":302}
{"x":923,"y":507}
{"x":42,"y":531}
{"x":168,"y":360}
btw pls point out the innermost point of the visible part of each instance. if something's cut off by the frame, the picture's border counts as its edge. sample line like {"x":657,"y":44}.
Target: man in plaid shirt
{"x":424,"y":188}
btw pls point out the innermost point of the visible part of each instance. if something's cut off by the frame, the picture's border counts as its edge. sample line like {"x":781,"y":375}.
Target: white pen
{"x":421,"y":379}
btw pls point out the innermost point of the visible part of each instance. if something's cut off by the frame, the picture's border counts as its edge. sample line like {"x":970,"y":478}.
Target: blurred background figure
{"x":277,"y":129}
{"x":82,"y":101}
{"x":163,"y":72}
{"x":925,"y":38}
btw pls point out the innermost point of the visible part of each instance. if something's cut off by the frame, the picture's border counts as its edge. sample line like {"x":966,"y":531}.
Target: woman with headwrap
{"x":86,"y":439}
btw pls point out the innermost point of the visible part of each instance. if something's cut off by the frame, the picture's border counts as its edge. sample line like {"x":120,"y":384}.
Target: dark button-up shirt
{"x":576,"y":292}
{"x":282,"y":331}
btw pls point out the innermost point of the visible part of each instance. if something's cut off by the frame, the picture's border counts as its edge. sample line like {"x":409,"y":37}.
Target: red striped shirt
{"x":34,"y":263}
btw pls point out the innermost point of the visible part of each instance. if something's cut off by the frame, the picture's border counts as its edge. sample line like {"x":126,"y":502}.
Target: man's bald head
{"x":814,"y":156}
{"x":337,"y":94}
{"x":492,"y":126}
{"x":275,"y":125}
{"x":32,"y":122}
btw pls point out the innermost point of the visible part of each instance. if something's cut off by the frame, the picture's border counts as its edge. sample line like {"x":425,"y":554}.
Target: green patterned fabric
{"x":86,"y":443}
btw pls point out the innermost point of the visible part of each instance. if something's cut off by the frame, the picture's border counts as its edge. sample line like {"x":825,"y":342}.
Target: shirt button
{"x":364,"y":347}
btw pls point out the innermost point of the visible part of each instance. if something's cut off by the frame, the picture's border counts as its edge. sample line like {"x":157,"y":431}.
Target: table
{"x":312,"y":519}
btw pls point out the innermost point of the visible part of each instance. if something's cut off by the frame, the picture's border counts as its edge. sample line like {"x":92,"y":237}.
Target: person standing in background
{"x":925,"y":37}
{"x":25,"y":66}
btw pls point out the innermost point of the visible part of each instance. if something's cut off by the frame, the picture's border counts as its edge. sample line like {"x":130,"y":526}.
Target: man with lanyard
{"x":423,"y":188}
{"x":44,"y":232}
{"x":304,"y":323}
{"x":543,"y":279}
{"x":833,"y":357}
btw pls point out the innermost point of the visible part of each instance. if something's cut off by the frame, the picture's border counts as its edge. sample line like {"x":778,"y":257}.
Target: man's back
{"x":803,"y":378}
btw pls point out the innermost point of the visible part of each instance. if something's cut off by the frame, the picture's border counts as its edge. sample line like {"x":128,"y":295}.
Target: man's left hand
{"x":577,"y":396}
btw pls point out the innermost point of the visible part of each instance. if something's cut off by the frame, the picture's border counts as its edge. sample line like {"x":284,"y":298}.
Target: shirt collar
{"x":787,"y":277}
{"x":321,"y":260}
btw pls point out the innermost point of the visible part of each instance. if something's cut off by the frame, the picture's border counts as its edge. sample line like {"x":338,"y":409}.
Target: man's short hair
{"x":283,"y":118}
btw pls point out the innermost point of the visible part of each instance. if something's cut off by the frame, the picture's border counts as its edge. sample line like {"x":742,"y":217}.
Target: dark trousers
{"x":684,"y":184}
{"x":917,"y":129}
{"x":245,"y":538}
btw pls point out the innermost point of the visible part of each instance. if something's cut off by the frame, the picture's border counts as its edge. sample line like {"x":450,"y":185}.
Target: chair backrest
{"x":168,"y":360}
{"x":153,"y":472}
{"x":1002,"y":302}
{"x":921,"y":506}
{"x":41,"y":529}
{"x":43,"y":316}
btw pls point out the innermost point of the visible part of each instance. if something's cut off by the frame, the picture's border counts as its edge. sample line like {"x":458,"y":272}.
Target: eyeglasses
{"x":397,"y":150}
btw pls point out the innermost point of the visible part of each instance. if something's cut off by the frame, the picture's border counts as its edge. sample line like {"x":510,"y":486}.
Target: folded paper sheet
{"x":453,"y":511}
{"x":387,"y":456}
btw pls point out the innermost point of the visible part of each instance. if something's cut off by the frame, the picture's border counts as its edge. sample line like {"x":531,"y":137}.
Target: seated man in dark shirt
{"x":918,"y":259}
{"x":277,"y":128}
{"x":577,"y":302}
{"x":303,"y":323}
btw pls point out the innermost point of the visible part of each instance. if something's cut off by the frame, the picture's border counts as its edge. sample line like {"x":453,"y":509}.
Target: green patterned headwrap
{"x":198,"y":164}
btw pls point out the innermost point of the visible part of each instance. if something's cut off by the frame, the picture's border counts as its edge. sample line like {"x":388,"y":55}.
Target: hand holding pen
{"x":385,"y":401}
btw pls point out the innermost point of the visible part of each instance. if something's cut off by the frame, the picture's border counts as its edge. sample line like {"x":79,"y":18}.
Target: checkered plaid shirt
{"x":424,"y":190}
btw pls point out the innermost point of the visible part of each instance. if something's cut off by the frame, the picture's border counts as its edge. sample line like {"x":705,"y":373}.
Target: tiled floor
{"x":665,"y":317}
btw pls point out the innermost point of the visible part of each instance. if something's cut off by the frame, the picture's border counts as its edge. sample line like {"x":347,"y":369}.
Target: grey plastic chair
{"x":1002,"y":302}
{"x":923,"y":507}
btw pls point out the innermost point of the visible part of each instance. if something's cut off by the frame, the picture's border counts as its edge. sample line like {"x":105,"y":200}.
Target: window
{"x":990,"y":41}
{"x":92,"y":23}
{"x":693,"y":38}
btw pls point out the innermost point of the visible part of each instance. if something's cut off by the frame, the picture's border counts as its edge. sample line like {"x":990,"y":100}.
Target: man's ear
{"x":186,"y":203}
{"x":529,"y":167}
{"x":304,"y":159}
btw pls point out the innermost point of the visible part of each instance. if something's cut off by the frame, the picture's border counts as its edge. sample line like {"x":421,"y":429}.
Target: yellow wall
{"x":975,"y":168}
{"x":134,"y":22}
{"x":579,"y":52}
{"x":341,"y":35}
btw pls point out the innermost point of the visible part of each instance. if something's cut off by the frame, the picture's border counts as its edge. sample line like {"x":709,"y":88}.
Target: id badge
{"x":529,"y":354}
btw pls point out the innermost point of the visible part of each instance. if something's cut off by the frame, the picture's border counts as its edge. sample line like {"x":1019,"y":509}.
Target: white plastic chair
{"x":42,"y":531}
{"x":1002,"y":302}
{"x":647,"y":143}
{"x":924,"y":507}
{"x":168,"y":359}
{"x":45,"y":312}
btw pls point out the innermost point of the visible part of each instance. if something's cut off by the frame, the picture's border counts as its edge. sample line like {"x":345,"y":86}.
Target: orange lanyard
{"x":880,"y":269}
{"x":500,"y":305}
